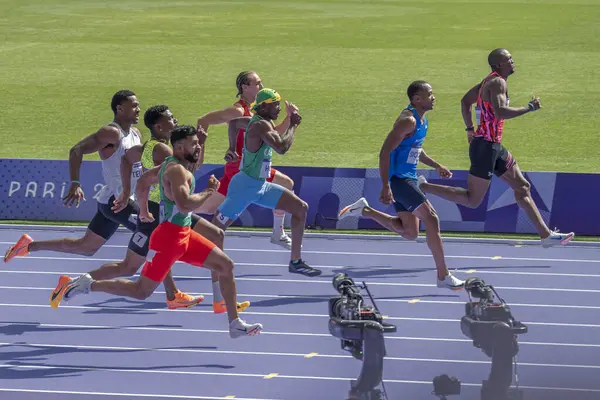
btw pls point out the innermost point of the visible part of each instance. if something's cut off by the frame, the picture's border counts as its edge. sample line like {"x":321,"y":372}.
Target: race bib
{"x":413,"y":155}
{"x":162,"y":212}
{"x":265,"y":169}
{"x":478,"y":114}
{"x":137,"y":170}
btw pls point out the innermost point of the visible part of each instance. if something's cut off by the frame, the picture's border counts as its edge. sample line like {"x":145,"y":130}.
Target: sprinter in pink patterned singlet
{"x":487,"y":154}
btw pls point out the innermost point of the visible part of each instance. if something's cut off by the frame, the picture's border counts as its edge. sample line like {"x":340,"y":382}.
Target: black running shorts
{"x":489,"y":158}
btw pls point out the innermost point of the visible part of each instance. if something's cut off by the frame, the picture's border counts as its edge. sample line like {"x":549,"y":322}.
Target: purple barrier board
{"x":32,"y":190}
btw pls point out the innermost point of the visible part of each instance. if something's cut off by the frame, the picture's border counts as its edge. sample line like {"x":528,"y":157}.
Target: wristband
{"x":76,"y":182}
{"x":470,"y":129}
{"x":531,"y":106}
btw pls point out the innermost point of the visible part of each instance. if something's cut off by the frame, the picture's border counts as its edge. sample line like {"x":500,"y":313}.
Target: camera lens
{"x":340,"y":280}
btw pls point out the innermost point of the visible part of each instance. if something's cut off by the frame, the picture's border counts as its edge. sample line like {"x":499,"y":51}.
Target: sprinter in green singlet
{"x":250,"y":185}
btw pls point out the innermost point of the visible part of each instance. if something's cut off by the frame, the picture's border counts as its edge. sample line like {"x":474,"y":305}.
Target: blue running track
{"x":98,"y":346}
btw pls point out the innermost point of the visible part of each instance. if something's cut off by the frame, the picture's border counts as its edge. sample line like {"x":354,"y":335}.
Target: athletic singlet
{"x":168,"y":209}
{"x":148,"y":163}
{"x":489,"y":126}
{"x":233,"y":167}
{"x":256,"y":164}
{"x":405,"y":157}
{"x":111,"y":167}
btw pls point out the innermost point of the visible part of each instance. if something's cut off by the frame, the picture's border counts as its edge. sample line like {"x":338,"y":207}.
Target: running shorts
{"x":175,"y":243}
{"x":407,"y":195}
{"x":489,"y":158}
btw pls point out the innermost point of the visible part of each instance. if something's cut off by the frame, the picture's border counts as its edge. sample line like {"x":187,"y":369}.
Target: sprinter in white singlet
{"x":111,"y":142}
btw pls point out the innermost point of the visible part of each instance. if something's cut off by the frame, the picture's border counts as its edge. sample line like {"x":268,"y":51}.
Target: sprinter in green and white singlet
{"x":168,"y":209}
{"x":250,"y":185}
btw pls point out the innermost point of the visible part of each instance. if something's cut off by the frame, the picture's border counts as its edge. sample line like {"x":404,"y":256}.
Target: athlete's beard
{"x":192,"y":157}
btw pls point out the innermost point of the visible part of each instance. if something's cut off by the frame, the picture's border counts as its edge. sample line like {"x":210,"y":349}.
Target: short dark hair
{"x":414,"y":88}
{"x":153,"y":114}
{"x":119,"y":97}
{"x":242,"y":79}
{"x":181,"y":132}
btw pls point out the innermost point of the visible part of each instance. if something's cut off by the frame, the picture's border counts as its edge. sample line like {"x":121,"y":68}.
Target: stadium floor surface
{"x":101,"y":346}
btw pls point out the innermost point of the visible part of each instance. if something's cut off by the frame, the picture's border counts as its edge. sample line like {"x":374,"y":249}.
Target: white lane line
{"x":280,"y":354}
{"x":325,"y":298}
{"x":300,"y":334}
{"x":261,"y":376}
{"x":356,"y":253}
{"x":399,"y":284}
{"x":123,"y":394}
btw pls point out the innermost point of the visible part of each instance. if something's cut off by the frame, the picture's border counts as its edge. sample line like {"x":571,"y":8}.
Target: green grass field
{"x":346,"y":64}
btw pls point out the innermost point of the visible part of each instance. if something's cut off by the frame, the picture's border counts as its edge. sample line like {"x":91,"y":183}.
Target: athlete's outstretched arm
{"x":176,"y":175}
{"x":430,"y":162}
{"x":281,"y":143}
{"x":142,"y":192}
{"x":219,"y":116}
{"x":290,"y":108}
{"x":497,"y":89}
{"x":466,"y":104}
{"x":91,"y":144}
{"x":232,"y":132}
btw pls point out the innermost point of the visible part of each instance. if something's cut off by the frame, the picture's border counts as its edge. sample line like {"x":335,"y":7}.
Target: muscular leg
{"x":405,"y":224}
{"x":279,"y":236}
{"x":87,"y":245}
{"x":140,"y":289}
{"x":516,"y":181}
{"x":470,"y":197}
{"x":202,"y":253}
{"x":427,"y":214}
{"x":298,"y":208}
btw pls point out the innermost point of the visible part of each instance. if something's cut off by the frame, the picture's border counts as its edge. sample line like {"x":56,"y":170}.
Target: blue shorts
{"x":407,"y":194}
{"x":245,"y":190}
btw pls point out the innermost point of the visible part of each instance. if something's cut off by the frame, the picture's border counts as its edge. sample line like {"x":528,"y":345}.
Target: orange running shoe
{"x":19,"y":249}
{"x":184,"y":300}
{"x":220,"y":308}
{"x":58,"y":292}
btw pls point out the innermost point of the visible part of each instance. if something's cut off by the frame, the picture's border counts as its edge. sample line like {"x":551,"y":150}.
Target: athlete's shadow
{"x":19,"y":328}
{"x":284,"y":301}
{"x":138,"y":307}
{"x":41,"y":370}
{"x":41,"y":353}
{"x":380,"y":271}
{"x":423,"y":296}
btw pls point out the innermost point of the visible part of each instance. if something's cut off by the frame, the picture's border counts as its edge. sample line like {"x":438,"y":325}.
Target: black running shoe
{"x":300,"y":267}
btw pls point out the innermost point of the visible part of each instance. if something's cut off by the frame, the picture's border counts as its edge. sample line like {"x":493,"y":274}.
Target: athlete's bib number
{"x":413,"y":156}
{"x":162,"y":212}
{"x":137,"y":170}
{"x":265,"y":169}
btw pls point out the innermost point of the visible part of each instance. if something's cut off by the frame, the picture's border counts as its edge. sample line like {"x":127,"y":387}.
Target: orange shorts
{"x":224,"y":181}
{"x":175,"y":243}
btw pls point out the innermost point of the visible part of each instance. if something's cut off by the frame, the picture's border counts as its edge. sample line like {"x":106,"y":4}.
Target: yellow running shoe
{"x":59,"y":291}
{"x":184,"y":300}
{"x":19,"y":249}
{"x":220,"y":308}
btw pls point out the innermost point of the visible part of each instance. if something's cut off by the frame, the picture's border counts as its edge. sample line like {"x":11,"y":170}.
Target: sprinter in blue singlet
{"x":400,"y":154}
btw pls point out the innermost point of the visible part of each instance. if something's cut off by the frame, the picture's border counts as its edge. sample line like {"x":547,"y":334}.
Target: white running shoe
{"x":238,"y":328}
{"x":80,"y":285}
{"x":450,"y":282}
{"x":282,"y":240}
{"x":557,"y":238}
{"x":354,"y":209}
